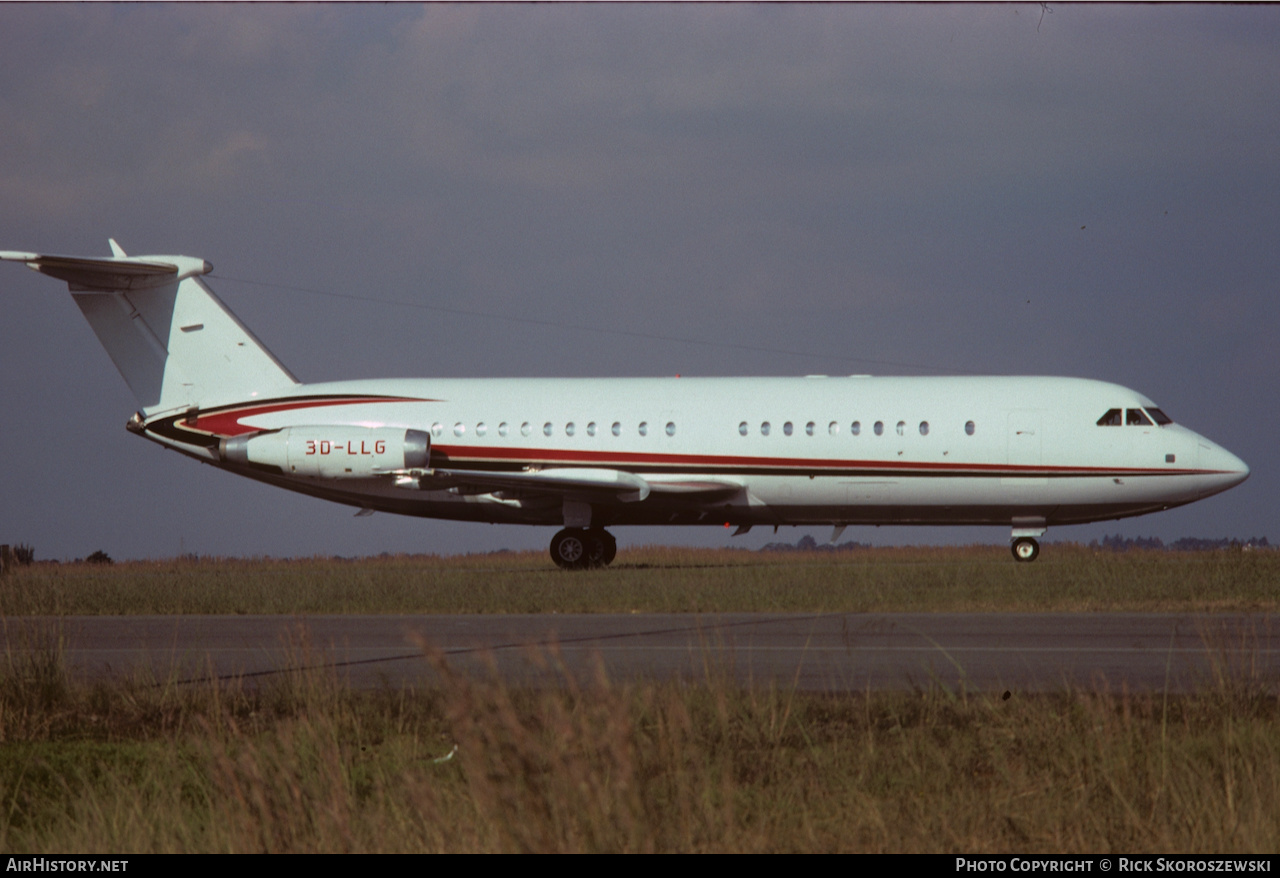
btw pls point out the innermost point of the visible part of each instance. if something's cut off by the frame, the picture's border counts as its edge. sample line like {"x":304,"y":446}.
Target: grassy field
{"x":980,"y":578}
{"x":304,"y":765}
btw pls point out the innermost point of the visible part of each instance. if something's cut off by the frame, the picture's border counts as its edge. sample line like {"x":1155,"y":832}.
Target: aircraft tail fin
{"x":175,"y":343}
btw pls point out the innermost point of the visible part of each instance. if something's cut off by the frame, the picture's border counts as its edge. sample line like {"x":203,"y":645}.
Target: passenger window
{"x":525,"y":429}
{"x":437,"y":429}
{"x":833,"y":428}
{"x":742,"y":429}
{"x":644,"y":428}
{"x":1136,"y":418}
{"x":459,"y":429}
{"x":808,"y":428}
{"x":547,"y":429}
{"x":481,"y":429}
{"x":902,"y":427}
{"x":856,"y":428}
{"x":764,"y":429}
{"x":1110,"y":419}
{"x":591,"y":428}
{"x":969,"y":428}
{"x":671,"y":428}
{"x":924,"y":428}
{"x":879,"y":428}
{"x":569,"y":429}
{"x":786,"y":429}
{"x":616,"y":429}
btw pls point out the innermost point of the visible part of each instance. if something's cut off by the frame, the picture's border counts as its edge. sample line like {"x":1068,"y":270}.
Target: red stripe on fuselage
{"x":226,"y":422}
{"x":459,"y":455}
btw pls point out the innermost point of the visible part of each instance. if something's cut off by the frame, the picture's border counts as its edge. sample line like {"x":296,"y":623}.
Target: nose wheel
{"x":576,"y":548}
{"x":1025,"y":549}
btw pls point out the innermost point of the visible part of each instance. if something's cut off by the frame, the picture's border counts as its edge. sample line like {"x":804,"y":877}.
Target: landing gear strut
{"x":1025,"y":549}
{"x":576,"y":548}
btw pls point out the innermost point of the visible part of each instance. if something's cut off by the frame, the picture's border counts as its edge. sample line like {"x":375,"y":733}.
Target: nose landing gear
{"x":1025,"y":549}
{"x":576,"y":548}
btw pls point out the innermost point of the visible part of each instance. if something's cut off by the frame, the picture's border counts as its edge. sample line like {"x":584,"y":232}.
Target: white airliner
{"x":1022,"y":452}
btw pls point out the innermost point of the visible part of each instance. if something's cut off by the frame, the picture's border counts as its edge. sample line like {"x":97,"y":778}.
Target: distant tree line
{"x":1116,"y":543}
{"x":23,"y":555}
{"x":808,"y":544}
{"x":15,"y":556}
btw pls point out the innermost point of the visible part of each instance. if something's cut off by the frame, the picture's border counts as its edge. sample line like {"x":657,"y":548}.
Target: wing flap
{"x":605,"y":484}
{"x":694,"y":488}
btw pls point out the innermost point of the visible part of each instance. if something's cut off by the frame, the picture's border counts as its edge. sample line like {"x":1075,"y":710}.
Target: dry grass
{"x":472,"y":765}
{"x":978,"y":578}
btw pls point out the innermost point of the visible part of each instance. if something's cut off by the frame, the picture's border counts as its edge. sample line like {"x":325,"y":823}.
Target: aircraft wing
{"x":694,"y":488}
{"x":597,"y":483}
{"x":607,"y":483}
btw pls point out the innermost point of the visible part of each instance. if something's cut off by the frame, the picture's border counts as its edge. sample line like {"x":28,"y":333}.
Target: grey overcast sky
{"x":899,"y":189}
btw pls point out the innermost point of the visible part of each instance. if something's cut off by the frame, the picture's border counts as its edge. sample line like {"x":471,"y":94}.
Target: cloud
{"x":902,"y":183}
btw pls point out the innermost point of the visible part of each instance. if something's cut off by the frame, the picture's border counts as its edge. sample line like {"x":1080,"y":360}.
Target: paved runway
{"x":827,"y":652}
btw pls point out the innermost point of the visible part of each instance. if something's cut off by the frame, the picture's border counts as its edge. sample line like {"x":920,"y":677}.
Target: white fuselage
{"x":745,"y":451}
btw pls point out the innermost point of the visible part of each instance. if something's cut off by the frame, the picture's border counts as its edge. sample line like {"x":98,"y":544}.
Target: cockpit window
{"x":1136,"y":418}
{"x":1160,"y":417}
{"x":1112,"y":418}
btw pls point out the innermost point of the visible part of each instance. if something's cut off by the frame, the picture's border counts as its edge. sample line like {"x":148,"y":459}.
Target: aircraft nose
{"x":1229,"y":469}
{"x":1238,"y":467}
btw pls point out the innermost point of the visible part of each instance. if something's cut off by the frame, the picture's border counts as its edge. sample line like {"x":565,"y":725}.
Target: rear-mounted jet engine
{"x":331,"y":452}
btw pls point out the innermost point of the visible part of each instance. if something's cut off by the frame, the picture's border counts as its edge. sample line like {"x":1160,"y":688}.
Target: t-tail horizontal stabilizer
{"x":176,"y":344}
{"x":111,"y":274}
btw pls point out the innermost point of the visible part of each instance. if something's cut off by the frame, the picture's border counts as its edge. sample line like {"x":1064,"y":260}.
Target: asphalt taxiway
{"x":819,"y":652}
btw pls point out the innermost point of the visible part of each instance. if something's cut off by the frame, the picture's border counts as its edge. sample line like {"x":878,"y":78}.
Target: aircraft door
{"x":1024,"y":438}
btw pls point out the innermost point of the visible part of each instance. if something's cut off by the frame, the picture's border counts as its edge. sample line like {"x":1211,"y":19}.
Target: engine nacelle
{"x":331,"y":452}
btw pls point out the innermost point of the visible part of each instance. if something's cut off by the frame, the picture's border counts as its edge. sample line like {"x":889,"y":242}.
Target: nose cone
{"x":1225,"y":468}
{"x":1240,"y":469}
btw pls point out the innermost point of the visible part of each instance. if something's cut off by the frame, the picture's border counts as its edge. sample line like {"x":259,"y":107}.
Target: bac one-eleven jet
{"x":1026,"y":453}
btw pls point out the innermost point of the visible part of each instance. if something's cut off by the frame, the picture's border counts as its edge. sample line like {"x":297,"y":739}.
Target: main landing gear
{"x":1023,"y":539}
{"x":578,"y":548}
